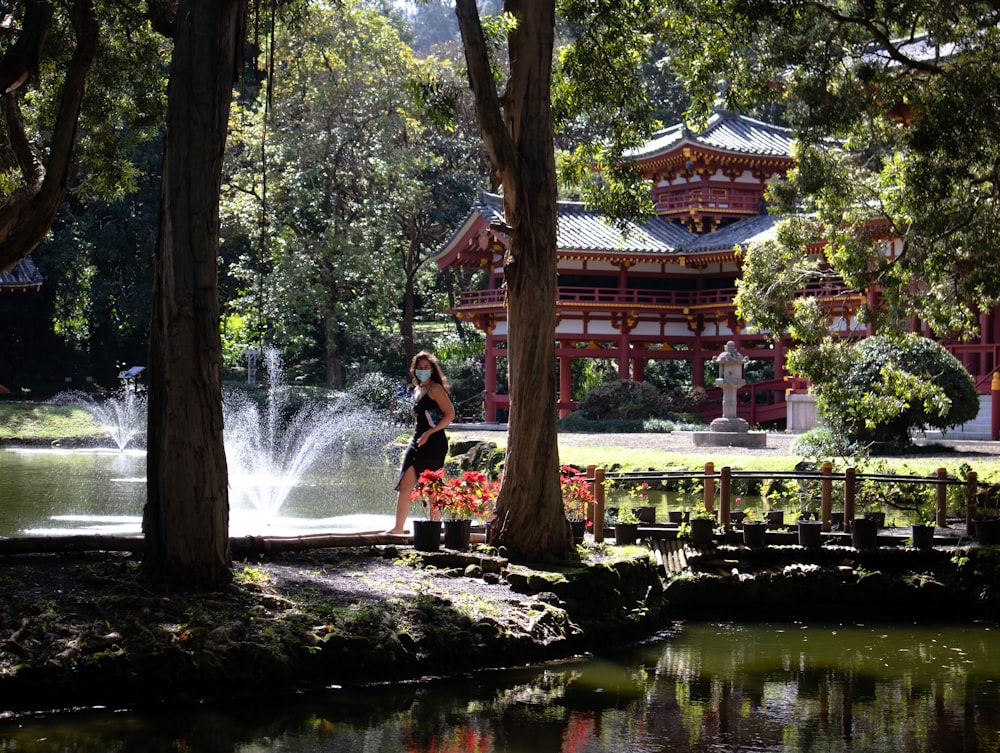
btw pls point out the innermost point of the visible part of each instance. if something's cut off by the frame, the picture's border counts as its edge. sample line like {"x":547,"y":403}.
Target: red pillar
{"x":779,"y":359}
{"x":565,"y":384}
{"x":489,"y":401}
{"x":623,"y":355}
{"x":638,"y":369}
{"x":995,"y":407}
{"x":698,"y":365}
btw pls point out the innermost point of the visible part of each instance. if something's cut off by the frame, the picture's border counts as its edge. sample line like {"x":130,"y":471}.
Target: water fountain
{"x":121,"y":415}
{"x":271,"y":447}
{"x":327,"y":465}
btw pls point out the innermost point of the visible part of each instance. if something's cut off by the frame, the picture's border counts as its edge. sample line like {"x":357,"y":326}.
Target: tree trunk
{"x":334,"y":353}
{"x":519,"y":142}
{"x":186,"y":518}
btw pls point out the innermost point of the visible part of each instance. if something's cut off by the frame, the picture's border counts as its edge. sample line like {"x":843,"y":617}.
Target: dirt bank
{"x":85,"y":629}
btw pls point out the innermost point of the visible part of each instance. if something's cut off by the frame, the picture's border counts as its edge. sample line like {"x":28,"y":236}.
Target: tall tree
{"x":517,"y":130}
{"x":349,"y":167}
{"x":186,"y":518}
{"x":599,"y":74}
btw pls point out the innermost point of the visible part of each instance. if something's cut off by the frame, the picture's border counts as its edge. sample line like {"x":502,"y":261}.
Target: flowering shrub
{"x":576,"y":492}
{"x":470,"y":496}
{"x":428,"y":489}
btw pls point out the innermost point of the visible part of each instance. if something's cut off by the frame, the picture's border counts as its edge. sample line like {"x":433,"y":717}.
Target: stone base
{"x":730,"y":425}
{"x":729,"y":439}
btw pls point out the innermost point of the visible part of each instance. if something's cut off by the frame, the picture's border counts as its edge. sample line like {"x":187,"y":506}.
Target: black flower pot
{"x":755,"y":534}
{"x":701,"y":531}
{"x":810,"y":533}
{"x":645,"y":514}
{"x":987,"y":530}
{"x":775,"y":518}
{"x":678,"y":516}
{"x":426,"y":535}
{"x":923,"y":536}
{"x":865,"y":533}
{"x":579,"y":529}
{"x":457,"y":534}
{"x":626,"y":533}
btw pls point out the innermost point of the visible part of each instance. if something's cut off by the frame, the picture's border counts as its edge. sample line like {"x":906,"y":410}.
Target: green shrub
{"x":627,"y":400}
{"x":877,"y":390}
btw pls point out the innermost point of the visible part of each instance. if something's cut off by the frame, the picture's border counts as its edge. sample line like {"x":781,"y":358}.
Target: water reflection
{"x":707,"y":688}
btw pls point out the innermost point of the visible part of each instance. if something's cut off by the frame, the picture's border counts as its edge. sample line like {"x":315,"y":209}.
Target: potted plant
{"x":465,"y":498}
{"x":639,"y":495}
{"x":577,"y":497}
{"x":922,"y":530}
{"x":626,"y":526}
{"x":754,"y":528}
{"x":986,"y":521}
{"x":429,"y":492}
{"x":737,"y":515}
{"x":702,"y":526}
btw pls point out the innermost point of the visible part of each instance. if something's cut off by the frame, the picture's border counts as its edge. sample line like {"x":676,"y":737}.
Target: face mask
{"x":422,"y":374}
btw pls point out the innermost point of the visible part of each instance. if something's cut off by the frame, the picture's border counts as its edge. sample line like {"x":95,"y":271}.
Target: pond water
{"x":707,"y":687}
{"x":59,"y":492}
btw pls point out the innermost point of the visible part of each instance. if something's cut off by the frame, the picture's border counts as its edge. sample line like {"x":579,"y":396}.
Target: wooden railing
{"x":583,"y":295}
{"x":718,"y":485}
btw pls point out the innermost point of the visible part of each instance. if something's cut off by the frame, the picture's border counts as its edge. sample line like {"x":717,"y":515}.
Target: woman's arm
{"x":440,"y":396}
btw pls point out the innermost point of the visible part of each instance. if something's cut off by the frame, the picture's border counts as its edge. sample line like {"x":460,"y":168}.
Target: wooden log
{"x":71,"y":544}
{"x":240,"y":545}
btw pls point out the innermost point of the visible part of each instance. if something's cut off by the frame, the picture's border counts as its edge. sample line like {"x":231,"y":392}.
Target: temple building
{"x":665,"y":288}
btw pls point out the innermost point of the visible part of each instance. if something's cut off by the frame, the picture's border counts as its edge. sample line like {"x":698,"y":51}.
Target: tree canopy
{"x":894,"y":106}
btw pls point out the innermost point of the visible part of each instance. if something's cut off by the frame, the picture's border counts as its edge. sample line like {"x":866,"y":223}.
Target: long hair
{"x":436,"y":374}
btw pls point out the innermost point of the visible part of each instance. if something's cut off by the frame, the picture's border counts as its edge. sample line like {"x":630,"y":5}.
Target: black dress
{"x":431,"y":456}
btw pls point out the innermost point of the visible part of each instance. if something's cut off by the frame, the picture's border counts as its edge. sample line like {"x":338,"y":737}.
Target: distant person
{"x":429,"y":446}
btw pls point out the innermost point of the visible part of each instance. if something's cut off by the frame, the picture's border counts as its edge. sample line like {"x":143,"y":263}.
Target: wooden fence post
{"x":598,"y":505}
{"x":941,"y":491}
{"x":826,"y":495}
{"x":850,"y":492}
{"x":592,"y":506}
{"x":971,"y":491}
{"x":725,"y":486}
{"x":709,"y":487}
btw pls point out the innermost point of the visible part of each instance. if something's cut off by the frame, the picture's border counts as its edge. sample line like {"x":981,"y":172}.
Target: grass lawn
{"x":35,"y":422}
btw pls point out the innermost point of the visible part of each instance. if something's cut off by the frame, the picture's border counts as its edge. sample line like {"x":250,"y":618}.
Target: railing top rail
{"x":797,"y":475}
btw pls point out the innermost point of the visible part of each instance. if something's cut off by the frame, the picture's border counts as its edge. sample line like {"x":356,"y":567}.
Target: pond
{"x":706,"y":687}
{"x":60,"y":492}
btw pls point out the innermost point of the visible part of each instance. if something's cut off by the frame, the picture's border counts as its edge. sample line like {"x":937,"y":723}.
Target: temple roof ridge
{"x":725,"y":131}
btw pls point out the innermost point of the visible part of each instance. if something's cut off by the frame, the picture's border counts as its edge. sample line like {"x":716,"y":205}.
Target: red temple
{"x":664,"y":289}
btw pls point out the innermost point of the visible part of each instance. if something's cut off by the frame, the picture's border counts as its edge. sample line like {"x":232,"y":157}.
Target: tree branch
{"x":499,"y":147}
{"x":27,"y":215}
{"x":879,"y":35}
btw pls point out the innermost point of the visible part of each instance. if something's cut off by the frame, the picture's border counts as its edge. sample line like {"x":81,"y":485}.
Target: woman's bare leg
{"x":406,"y":484}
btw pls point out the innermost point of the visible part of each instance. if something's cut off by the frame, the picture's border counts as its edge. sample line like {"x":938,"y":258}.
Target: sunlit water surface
{"x":59,"y":492}
{"x":721,"y":687}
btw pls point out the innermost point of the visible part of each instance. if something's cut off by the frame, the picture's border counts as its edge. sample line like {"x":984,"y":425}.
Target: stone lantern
{"x":729,"y":429}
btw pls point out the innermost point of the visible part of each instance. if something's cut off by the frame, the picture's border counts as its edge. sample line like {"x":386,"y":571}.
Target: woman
{"x":429,"y":445}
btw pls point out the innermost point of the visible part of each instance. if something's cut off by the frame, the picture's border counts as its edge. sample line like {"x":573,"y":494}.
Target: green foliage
{"x":821,"y":443}
{"x":878,"y":389}
{"x":899,"y":87}
{"x":360,"y":187}
{"x":625,"y":400}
